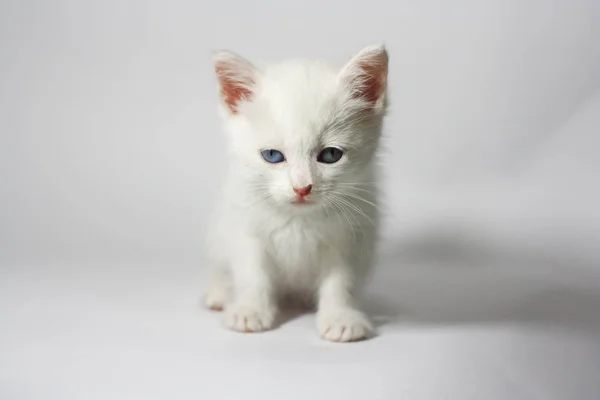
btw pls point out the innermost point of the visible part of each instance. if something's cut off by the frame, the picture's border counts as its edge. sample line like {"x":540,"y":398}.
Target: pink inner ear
{"x":372,"y":79}
{"x":233,"y":88}
{"x":366,"y":75}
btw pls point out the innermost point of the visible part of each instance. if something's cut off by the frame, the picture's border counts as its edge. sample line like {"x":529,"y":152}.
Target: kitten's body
{"x":265,"y":244}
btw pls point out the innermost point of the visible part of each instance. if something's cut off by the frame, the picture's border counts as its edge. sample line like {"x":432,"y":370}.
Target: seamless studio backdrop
{"x":111,"y":150}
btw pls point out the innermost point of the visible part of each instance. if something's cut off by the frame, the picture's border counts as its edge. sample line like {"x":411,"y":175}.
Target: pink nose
{"x":305,"y":191}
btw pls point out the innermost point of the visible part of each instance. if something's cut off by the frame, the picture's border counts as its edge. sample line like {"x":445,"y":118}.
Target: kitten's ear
{"x":365,"y":76}
{"x":236,"y":78}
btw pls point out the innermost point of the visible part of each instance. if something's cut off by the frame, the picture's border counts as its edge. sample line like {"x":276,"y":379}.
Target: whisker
{"x":359,"y":189}
{"x":357,"y":184}
{"x":341,"y":211}
{"x":353,"y":207}
{"x":354,"y":196}
{"x":344,"y":207}
{"x":356,"y":211}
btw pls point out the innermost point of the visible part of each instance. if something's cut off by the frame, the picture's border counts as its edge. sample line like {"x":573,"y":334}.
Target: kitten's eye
{"x":330,"y":155}
{"x":272,"y":156}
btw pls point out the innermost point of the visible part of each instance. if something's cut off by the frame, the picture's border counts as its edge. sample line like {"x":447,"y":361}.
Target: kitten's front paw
{"x":242,"y":318}
{"x":345,"y":325}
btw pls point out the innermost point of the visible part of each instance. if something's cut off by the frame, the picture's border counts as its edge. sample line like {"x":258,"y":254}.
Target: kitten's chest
{"x":297,"y":242}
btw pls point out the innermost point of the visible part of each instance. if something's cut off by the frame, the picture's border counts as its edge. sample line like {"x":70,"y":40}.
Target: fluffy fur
{"x":264,"y":245}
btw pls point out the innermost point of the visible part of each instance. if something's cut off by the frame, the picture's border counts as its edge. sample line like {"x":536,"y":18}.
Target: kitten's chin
{"x":301,"y":204}
{"x":298,"y":205}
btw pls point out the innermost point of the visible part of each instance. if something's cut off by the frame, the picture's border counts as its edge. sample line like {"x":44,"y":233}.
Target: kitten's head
{"x":304,"y":132}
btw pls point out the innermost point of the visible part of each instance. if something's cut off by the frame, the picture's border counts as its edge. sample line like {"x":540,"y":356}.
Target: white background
{"x":110,"y":151}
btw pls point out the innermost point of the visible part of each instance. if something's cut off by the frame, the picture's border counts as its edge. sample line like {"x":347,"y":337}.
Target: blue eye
{"x":330,"y":155}
{"x":272,"y":156}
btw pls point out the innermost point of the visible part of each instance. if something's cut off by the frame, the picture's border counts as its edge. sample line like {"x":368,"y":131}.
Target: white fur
{"x":264,"y":247}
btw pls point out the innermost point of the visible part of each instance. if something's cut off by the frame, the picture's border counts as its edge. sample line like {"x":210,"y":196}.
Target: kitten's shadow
{"x":446,"y":278}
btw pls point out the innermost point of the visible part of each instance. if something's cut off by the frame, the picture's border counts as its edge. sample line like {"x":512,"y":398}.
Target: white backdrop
{"x":110,"y":151}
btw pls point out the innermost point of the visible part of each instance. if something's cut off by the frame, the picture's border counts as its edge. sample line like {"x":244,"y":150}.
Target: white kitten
{"x":298,"y":215}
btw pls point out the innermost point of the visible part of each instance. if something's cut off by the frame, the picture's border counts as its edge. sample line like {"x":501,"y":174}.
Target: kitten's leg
{"x":253,"y":308}
{"x":219,"y":289}
{"x":338,"y":318}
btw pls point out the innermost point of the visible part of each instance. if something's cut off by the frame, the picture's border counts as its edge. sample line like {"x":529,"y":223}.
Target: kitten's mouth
{"x":300,"y":202}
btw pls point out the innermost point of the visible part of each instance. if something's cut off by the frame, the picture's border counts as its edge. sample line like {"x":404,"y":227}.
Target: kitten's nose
{"x":303,"y":191}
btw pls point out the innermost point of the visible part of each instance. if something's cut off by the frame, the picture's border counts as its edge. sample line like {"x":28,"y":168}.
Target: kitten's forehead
{"x":298,"y":95}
